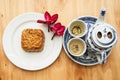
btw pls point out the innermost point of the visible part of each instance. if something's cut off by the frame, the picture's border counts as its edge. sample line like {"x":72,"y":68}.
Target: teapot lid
{"x":104,"y":35}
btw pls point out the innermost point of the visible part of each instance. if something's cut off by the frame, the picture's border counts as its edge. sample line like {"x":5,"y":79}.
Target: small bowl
{"x":76,"y":47}
{"x":77,"y":28}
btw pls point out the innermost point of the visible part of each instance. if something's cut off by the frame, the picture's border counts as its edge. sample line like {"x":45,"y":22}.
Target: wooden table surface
{"x":63,"y":68}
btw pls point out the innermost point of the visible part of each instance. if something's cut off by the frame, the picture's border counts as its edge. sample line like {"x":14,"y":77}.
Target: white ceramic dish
{"x":29,"y":60}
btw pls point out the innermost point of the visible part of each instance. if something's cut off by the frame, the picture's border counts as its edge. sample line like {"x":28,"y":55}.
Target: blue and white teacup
{"x":77,"y":28}
{"x":76,"y":47}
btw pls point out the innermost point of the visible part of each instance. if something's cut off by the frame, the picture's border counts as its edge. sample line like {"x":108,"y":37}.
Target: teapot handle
{"x":103,"y":57}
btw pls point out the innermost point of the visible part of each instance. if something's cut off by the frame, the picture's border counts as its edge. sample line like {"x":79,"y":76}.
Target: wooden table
{"x":63,"y":68}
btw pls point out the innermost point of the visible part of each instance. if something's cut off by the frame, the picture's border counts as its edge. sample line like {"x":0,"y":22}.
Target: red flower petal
{"x":41,"y":21}
{"x":54,"y":18}
{"x":47,"y":16}
{"x":56,"y":27}
{"x":60,"y":31}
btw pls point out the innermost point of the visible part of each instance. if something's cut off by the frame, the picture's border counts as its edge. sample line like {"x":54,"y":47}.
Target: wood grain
{"x":63,"y":68}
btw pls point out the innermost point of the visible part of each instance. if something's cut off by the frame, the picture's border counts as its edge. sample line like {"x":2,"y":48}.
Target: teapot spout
{"x":102,"y":15}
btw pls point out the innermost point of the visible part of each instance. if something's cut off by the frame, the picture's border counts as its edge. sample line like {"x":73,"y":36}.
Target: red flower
{"x":48,"y":19}
{"x":57,"y":29}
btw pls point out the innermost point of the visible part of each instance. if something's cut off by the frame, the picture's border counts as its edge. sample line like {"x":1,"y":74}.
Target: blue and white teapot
{"x":101,"y":38}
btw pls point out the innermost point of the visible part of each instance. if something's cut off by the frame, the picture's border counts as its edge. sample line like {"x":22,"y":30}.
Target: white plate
{"x":30,"y":60}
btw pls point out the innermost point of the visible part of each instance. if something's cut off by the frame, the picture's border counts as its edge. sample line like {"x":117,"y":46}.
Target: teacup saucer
{"x":89,"y":58}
